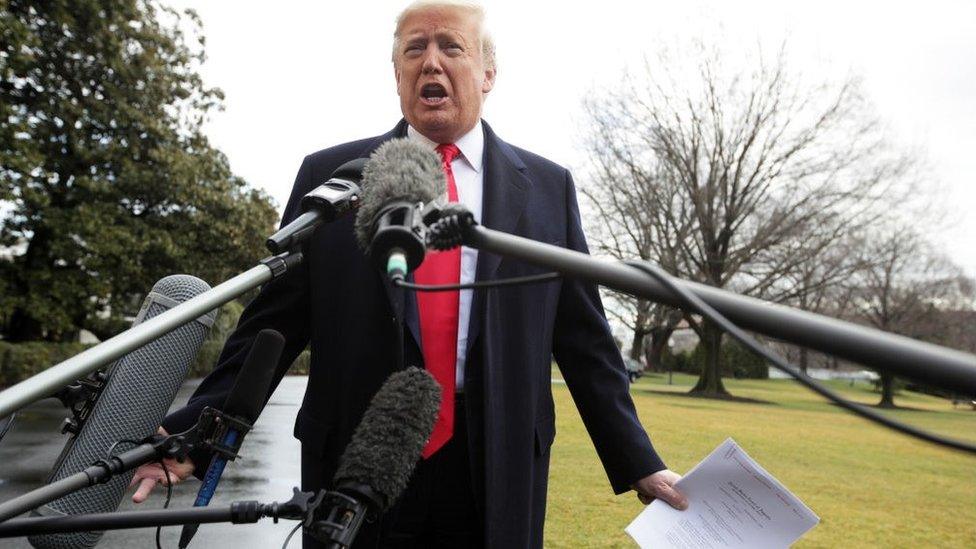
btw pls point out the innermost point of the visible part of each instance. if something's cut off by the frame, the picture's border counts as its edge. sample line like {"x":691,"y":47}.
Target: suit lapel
{"x":504,"y":191}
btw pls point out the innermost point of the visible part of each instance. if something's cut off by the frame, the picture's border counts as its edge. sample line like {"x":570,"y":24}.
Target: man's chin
{"x":437,"y":126}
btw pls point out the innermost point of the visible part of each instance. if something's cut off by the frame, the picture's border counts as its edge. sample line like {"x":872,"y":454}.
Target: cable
{"x":708,"y":312}
{"x":169,"y":485}
{"x":290,"y":534}
{"x":532,"y":279}
{"x":112,"y":448}
{"x":169,"y":495}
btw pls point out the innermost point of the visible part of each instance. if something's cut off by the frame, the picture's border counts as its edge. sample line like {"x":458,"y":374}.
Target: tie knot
{"x":448,"y":152}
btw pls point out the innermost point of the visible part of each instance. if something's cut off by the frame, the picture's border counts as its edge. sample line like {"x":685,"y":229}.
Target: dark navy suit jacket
{"x":339,"y":304}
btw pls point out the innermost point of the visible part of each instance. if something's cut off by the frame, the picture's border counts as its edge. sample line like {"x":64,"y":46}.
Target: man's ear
{"x":489,"y":81}
{"x":396,"y":76}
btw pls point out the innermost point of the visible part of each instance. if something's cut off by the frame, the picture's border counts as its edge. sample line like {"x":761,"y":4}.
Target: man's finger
{"x":673,"y":497}
{"x":144,"y":471}
{"x":145,"y":487}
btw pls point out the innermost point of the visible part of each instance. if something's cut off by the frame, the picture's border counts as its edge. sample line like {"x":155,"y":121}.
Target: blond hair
{"x":471,"y":8}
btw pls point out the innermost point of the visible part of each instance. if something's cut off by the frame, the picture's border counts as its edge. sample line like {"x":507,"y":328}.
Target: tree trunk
{"x":23,"y":327}
{"x":804,"y":359}
{"x":710,"y":380}
{"x":655,"y":351}
{"x":636,"y":344}
{"x":887,"y":391}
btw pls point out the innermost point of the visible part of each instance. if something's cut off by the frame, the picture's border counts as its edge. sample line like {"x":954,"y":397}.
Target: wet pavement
{"x":267,"y":471}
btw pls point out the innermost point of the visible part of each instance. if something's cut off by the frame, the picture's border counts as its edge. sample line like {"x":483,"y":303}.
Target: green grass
{"x":870,"y":487}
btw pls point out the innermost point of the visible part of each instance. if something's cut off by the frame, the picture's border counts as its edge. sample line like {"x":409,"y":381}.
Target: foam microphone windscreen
{"x":387,"y":443}
{"x":400,"y":170}
{"x":139,"y":390}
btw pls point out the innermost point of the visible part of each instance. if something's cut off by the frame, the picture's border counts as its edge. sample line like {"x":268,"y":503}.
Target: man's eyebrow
{"x":440,"y":35}
{"x":449,"y":34}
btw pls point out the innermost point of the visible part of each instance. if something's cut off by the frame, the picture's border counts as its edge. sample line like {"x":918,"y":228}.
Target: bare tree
{"x":720,"y":174}
{"x":820,"y":283}
{"x":909,"y":289}
{"x":644,"y":318}
{"x":624,"y":226}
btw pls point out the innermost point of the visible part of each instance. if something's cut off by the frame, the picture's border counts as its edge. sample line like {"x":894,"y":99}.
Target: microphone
{"x":139,"y":389}
{"x":399,"y":180}
{"x":244,"y":402}
{"x":329,"y":201}
{"x":377,"y":464}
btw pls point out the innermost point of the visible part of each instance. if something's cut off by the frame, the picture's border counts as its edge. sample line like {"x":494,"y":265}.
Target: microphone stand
{"x":330,"y":517}
{"x":84,"y":363}
{"x":924,"y":362}
{"x":209,"y":433}
{"x":300,"y":507}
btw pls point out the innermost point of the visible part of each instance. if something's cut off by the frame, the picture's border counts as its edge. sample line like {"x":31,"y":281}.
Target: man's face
{"x":440,"y":74}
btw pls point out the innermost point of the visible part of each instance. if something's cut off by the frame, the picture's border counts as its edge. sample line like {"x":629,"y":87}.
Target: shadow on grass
{"x":723,"y":398}
{"x":896,"y":408}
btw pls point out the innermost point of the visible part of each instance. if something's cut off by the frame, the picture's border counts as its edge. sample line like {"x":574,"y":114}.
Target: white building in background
{"x":827,"y":374}
{"x":683,"y":339}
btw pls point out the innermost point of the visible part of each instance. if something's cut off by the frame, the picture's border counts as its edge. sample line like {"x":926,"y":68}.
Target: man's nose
{"x":432,"y":60}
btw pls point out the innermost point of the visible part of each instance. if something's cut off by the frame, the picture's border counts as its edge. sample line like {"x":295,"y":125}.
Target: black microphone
{"x":331,"y":200}
{"x":244,"y":402}
{"x":399,"y":180}
{"x":377,"y":464}
{"x":138,"y":391}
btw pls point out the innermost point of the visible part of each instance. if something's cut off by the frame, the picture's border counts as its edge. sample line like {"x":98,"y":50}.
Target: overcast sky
{"x":302,"y":76}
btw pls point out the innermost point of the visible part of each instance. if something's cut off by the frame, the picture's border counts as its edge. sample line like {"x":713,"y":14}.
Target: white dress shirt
{"x":469,"y":178}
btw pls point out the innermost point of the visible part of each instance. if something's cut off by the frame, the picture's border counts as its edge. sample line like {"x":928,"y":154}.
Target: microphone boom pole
{"x":924,"y":362}
{"x":82,"y":364}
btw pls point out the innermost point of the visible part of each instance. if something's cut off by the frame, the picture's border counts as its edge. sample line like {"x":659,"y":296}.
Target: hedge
{"x":19,"y":361}
{"x":735,"y":361}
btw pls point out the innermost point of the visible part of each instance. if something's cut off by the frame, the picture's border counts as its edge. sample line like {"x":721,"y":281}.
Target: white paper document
{"x":732,"y":503}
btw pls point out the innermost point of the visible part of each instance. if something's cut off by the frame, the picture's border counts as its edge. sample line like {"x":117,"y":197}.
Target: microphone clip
{"x":80,"y":398}
{"x":334,"y":517}
{"x":447,"y":225}
{"x":211,"y":433}
{"x":399,"y":231}
{"x":283,"y":262}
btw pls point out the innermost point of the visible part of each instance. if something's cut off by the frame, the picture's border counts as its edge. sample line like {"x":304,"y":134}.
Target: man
{"x":483,"y":477}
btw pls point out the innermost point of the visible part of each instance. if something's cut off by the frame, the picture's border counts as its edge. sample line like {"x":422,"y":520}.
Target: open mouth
{"x":433,"y":94}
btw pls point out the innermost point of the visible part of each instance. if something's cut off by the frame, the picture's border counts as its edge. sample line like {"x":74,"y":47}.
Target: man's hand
{"x":660,"y":485}
{"x":149,"y":475}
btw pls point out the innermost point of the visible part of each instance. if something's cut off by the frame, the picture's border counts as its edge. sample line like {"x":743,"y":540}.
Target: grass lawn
{"x":870,"y":487}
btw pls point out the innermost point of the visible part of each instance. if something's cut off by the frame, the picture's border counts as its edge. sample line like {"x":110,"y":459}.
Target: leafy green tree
{"x":106,"y":178}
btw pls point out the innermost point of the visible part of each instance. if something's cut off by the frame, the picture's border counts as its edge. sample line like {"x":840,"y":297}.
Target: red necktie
{"x":439,"y":318}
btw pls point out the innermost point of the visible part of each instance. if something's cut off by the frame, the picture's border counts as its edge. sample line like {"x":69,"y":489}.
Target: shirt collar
{"x":471,"y":144}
